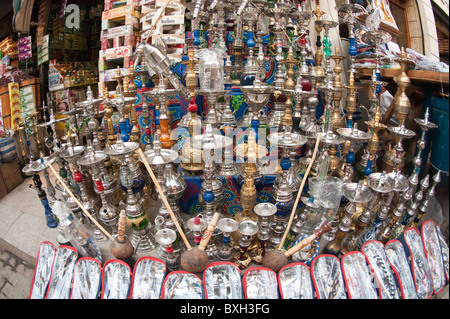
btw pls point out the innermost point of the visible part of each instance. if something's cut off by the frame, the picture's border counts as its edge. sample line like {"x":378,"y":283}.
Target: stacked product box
{"x":119,"y":35}
{"x":166,"y":22}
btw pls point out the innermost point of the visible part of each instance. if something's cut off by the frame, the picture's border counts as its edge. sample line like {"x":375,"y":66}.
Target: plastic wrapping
{"x":260,"y":283}
{"x":377,"y":260}
{"x":62,"y":273}
{"x":210,"y":70}
{"x":43,"y":270}
{"x":396,"y":256}
{"x":357,"y":276}
{"x":116,"y":279}
{"x":87,"y":279}
{"x":294,"y":282}
{"x":148,"y":277}
{"x":327,"y":277}
{"x":222,"y":280}
{"x":444,"y":250}
{"x":412,"y":243}
{"x":182,"y":285}
{"x":433,"y":253}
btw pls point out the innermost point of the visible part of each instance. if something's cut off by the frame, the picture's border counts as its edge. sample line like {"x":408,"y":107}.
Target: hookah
{"x":288,"y":89}
{"x":318,"y":56}
{"x":137,"y":218}
{"x":424,"y":207}
{"x":376,"y":37}
{"x":108,"y":214}
{"x":173,"y":185}
{"x":197,"y":225}
{"x":227,"y":126}
{"x":121,"y":247}
{"x":247,"y":228}
{"x":250,"y":153}
{"x":383,"y":185}
{"x":402,"y":107}
{"x":425,"y":126}
{"x":159,"y":96}
{"x":109,"y":111}
{"x":412,"y":208}
{"x":90,"y":105}
{"x":210,"y":144}
{"x":165,"y":237}
{"x":119,"y":103}
{"x":264,"y":212}
{"x":34,"y":168}
{"x":347,"y":13}
{"x":337,"y":121}
{"x":354,"y":139}
{"x":226,"y":226}
{"x":372,"y":146}
{"x":358,"y":195}
{"x":283,"y":193}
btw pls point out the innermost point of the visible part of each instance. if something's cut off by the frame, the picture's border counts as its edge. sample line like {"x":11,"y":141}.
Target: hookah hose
{"x":79,"y":204}
{"x":294,"y":208}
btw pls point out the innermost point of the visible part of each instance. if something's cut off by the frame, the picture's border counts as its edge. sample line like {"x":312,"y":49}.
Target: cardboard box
{"x":121,"y":12}
{"x":11,"y":175}
{"x":119,"y":31}
{"x":119,"y":52}
{"x":130,"y":20}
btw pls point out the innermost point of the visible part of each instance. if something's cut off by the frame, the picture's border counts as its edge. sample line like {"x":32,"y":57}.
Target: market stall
{"x":234,"y":149}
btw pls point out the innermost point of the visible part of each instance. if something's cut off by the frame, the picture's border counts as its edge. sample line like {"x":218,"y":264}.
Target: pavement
{"x":23,"y":229}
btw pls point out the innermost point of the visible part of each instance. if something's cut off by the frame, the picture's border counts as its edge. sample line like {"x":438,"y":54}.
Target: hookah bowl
{"x":226,"y":226}
{"x":166,"y":237}
{"x":247,"y":228}
{"x":256,"y":97}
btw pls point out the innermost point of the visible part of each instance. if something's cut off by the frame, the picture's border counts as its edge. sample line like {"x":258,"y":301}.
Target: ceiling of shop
{"x":5,"y":8}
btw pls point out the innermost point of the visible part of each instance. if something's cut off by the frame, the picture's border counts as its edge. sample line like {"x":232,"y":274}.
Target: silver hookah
{"x":227,"y":121}
{"x":356,"y":138}
{"x":142,"y":238}
{"x":161,"y":161}
{"x":108,"y":214}
{"x":226,"y":226}
{"x":264,"y":211}
{"x":347,"y":13}
{"x":90,"y":106}
{"x":383,"y":185}
{"x":72,"y":154}
{"x":165,"y":237}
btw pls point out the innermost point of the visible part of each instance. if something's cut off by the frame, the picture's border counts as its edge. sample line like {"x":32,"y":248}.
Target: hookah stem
{"x":294,"y":208}
{"x":164,"y":199}
{"x":79,"y":204}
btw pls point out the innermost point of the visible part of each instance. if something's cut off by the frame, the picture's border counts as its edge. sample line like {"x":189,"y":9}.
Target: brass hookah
{"x":109,"y":111}
{"x":132,"y":91}
{"x":192,"y":159}
{"x":372,"y":146}
{"x":402,"y":106}
{"x":318,"y":56}
{"x":289,"y":86}
{"x":337,"y":120}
